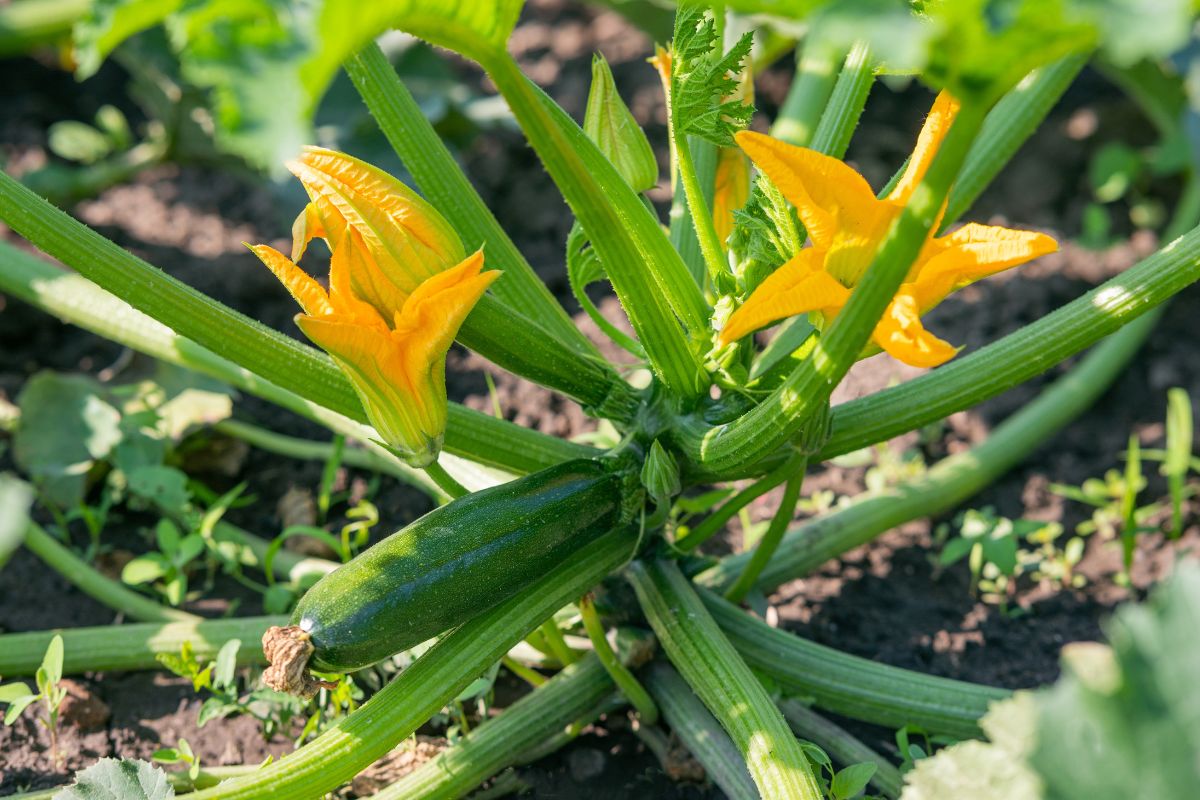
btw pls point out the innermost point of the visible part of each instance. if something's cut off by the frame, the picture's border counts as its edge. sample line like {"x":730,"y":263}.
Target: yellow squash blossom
{"x":846,"y":223}
{"x":399,"y":289}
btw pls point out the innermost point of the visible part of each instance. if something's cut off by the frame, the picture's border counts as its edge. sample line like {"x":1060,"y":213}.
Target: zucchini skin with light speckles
{"x":456,"y":562}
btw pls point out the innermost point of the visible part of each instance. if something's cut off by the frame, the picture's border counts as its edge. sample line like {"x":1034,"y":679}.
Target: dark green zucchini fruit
{"x":454,"y":563}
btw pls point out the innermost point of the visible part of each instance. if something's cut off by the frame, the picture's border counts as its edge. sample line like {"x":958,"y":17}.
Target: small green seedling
{"x":1175,"y":466}
{"x":167,"y":568}
{"x":181,"y":753}
{"x":49,"y":690}
{"x":844,"y":784}
{"x":911,"y":751}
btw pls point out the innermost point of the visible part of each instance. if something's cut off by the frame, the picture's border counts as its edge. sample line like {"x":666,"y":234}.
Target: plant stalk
{"x":708,"y":662}
{"x":634,"y":692}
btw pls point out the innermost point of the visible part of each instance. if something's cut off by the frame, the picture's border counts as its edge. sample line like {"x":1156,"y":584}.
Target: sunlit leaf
{"x":127,"y":779}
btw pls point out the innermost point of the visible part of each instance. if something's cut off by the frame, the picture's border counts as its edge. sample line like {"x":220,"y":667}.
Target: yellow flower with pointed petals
{"x":396,"y":295}
{"x":846,"y":223}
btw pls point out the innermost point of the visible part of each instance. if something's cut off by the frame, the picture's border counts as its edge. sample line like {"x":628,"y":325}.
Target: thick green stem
{"x":443,"y":183}
{"x":682,"y":230}
{"x":1008,"y":125}
{"x":428,"y":684}
{"x":557,"y":643}
{"x":953,"y":479}
{"x":71,"y":298}
{"x":807,"y":97}
{"x":107,"y":648}
{"x":700,"y":732}
{"x":705,"y":658}
{"x":764,"y":551}
{"x":734,"y":448}
{"x":83,"y":576}
{"x":634,"y":692}
{"x":851,"y":686}
{"x":846,"y":103}
{"x":445,"y":481}
{"x":499,"y":742}
{"x":649,"y":277}
{"x":840,"y":745}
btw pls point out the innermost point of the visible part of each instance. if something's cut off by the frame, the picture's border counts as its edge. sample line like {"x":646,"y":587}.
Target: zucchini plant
{"x":767,"y":231}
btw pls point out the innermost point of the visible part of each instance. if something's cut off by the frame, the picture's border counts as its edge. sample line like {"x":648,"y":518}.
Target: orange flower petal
{"x":937,"y":124}
{"x":795,"y":288}
{"x":829,"y":196}
{"x":409,"y":239}
{"x":902,"y":336}
{"x":973,"y":252}
{"x":306,"y":228}
{"x":731,"y":189}
{"x":357,"y":284}
{"x":432,"y":315}
{"x":409,"y":417}
{"x":306,"y":291}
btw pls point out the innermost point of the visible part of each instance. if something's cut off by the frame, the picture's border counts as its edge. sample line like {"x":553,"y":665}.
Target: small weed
{"x":49,"y":691}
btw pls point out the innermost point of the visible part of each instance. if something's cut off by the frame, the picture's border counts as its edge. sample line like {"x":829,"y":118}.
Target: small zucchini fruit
{"x":450,"y":565}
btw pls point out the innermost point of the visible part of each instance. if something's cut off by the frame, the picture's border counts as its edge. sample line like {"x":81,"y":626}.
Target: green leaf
{"x":853,"y":779}
{"x":145,"y":569}
{"x":52,"y":661}
{"x":1126,"y":723}
{"x":164,"y":487}
{"x":16,"y":497}
{"x":1113,"y":170}
{"x":78,"y":141}
{"x":702,"y":78}
{"x":11,"y":692}
{"x":18,"y":705}
{"x":127,"y":779}
{"x":225,"y":671}
{"x":609,"y":123}
{"x":110,"y":22}
{"x":65,"y":425}
{"x":1131,"y":30}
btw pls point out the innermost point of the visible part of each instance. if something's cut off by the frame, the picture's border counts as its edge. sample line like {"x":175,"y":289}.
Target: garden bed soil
{"x":884,"y":601}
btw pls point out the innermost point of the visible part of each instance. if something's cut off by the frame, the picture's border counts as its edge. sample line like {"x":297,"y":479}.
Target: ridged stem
{"x":700,"y":732}
{"x":84,"y":577}
{"x":650,"y":279}
{"x":952,"y":480}
{"x":71,"y":298}
{"x":105,"y":648}
{"x":499,"y":741}
{"x":429,"y":683}
{"x":841,"y":745}
{"x":708,"y":662}
{"x":808,"y":96}
{"x":846,"y":103}
{"x":851,"y":686}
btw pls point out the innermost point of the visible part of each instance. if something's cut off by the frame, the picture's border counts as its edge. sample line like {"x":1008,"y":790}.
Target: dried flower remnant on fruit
{"x":400,"y":288}
{"x":846,"y":224}
{"x":287,"y":650}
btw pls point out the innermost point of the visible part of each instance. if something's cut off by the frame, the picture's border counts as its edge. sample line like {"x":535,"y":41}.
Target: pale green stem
{"x":107,"y":648}
{"x":84,"y":576}
{"x":634,"y":692}
{"x":708,"y":662}
{"x":764,"y":551}
{"x":700,"y":732}
{"x":808,"y":95}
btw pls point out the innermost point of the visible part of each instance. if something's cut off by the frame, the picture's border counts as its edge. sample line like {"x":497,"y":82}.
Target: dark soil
{"x":884,"y":601}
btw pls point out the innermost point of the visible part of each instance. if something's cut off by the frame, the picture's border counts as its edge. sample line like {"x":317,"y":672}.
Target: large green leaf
{"x":267,"y":63}
{"x":66,"y":425}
